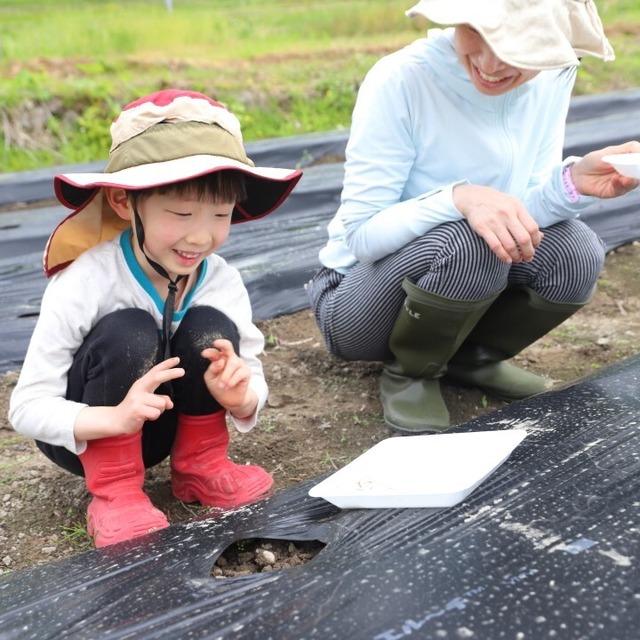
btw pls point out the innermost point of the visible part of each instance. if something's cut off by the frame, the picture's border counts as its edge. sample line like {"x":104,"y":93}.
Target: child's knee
{"x":200,"y":327}
{"x":132,"y":332}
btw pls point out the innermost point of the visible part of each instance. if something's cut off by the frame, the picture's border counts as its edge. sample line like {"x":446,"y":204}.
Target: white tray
{"x":419,"y":471}
{"x":626,"y":164}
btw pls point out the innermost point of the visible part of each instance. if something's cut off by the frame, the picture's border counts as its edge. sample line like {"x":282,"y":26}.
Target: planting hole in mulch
{"x":255,"y":555}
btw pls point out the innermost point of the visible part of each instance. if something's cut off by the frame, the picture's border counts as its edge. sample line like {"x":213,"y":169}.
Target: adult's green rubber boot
{"x":515,"y":320}
{"x":428,"y":331}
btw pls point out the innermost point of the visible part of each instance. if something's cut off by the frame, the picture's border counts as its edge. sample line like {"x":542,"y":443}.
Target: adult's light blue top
{"x":420,"y":127}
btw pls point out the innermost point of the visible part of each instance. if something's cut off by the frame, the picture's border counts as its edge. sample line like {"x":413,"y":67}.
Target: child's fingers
{"x":234,"y":374}
{"x":216,"y":367}
{"x":168,"y":403}
{"x":212,"y":354}
{"x":240,"y":376}
{"x":161,"y":373}
{"x":166,"y":365}
{"x":153,"y":410}
{"x":225,"y":347}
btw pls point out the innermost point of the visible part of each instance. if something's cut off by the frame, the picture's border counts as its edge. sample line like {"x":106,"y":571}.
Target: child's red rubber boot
{"x":114,"y":474}
{"x":201,"y":471}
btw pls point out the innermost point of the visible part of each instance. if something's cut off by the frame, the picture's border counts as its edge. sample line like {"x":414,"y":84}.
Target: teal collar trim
{"x":144,"y":281}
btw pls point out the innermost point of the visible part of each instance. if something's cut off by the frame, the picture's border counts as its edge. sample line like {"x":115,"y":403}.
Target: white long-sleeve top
{"x":420,"y":127}
{"x":104,"y":279}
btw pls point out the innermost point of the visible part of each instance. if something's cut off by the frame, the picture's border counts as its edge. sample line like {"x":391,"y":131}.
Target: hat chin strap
{"x":169,"y":303}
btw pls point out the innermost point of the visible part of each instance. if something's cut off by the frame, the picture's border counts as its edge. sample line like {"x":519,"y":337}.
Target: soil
{"x":322,"y":413}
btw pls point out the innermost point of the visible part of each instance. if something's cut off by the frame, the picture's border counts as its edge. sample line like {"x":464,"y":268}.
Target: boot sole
{"x":137,"y":520}
{"x":188,"y":489}
{"x":498,"y":395}
{"x":416,"y":431}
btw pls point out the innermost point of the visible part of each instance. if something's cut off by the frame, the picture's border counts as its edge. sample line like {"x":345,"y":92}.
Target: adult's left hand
{"x":594,"y":177}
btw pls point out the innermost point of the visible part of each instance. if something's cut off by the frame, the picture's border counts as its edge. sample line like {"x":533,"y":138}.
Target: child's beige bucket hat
{"x":160,"y":139}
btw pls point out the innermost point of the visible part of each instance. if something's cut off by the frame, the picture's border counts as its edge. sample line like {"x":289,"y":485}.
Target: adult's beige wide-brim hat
{"x":160,"y":139}
{"x":528,"y":34}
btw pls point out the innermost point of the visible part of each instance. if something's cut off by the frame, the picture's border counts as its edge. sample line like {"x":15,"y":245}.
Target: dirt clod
{"x":255,"y":556}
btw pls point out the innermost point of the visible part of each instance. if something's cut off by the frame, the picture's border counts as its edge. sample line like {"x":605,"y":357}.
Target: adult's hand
{"x":501,"y":220}
{"x":593,"y":177}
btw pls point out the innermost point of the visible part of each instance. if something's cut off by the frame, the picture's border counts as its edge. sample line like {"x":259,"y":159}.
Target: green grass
{"x":195,"y":29}
{"x":284,"y":67}
{"x":77,"y":536}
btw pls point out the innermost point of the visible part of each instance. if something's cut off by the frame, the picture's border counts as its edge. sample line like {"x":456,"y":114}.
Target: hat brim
{"x":93,"y":221}
{"x":267,"y":187}
{"x":536,"y":36}
{"x":490,"y":22}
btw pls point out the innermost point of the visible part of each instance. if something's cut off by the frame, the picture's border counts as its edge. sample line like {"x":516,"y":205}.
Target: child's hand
{"x":227,"y":379}
{"x":139,"y":405}
{"x":141,"y":402}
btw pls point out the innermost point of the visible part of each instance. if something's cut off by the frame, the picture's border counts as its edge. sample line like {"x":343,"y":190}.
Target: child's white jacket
{"x":104,"y":279}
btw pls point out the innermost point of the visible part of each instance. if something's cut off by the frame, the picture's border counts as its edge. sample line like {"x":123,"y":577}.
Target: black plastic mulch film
{"x":546,"y":547}
{"x":278,"y":254}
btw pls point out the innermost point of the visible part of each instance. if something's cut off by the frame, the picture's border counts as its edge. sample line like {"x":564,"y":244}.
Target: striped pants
{"x":356,"y":312}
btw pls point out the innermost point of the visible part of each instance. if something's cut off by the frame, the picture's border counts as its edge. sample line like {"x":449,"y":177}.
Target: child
{"x":145,"y":341}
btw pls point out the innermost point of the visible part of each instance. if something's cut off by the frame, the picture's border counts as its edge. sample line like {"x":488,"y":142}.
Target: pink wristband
{"x":569,"y":187}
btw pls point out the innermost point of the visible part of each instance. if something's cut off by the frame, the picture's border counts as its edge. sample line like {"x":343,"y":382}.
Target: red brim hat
{"x":161,"y":139}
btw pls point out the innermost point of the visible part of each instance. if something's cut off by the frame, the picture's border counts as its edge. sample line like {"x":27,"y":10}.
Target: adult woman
{"x":456,"y":244}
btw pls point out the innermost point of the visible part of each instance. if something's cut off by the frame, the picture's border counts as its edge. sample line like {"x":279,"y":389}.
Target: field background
{"x":283,"y":67}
